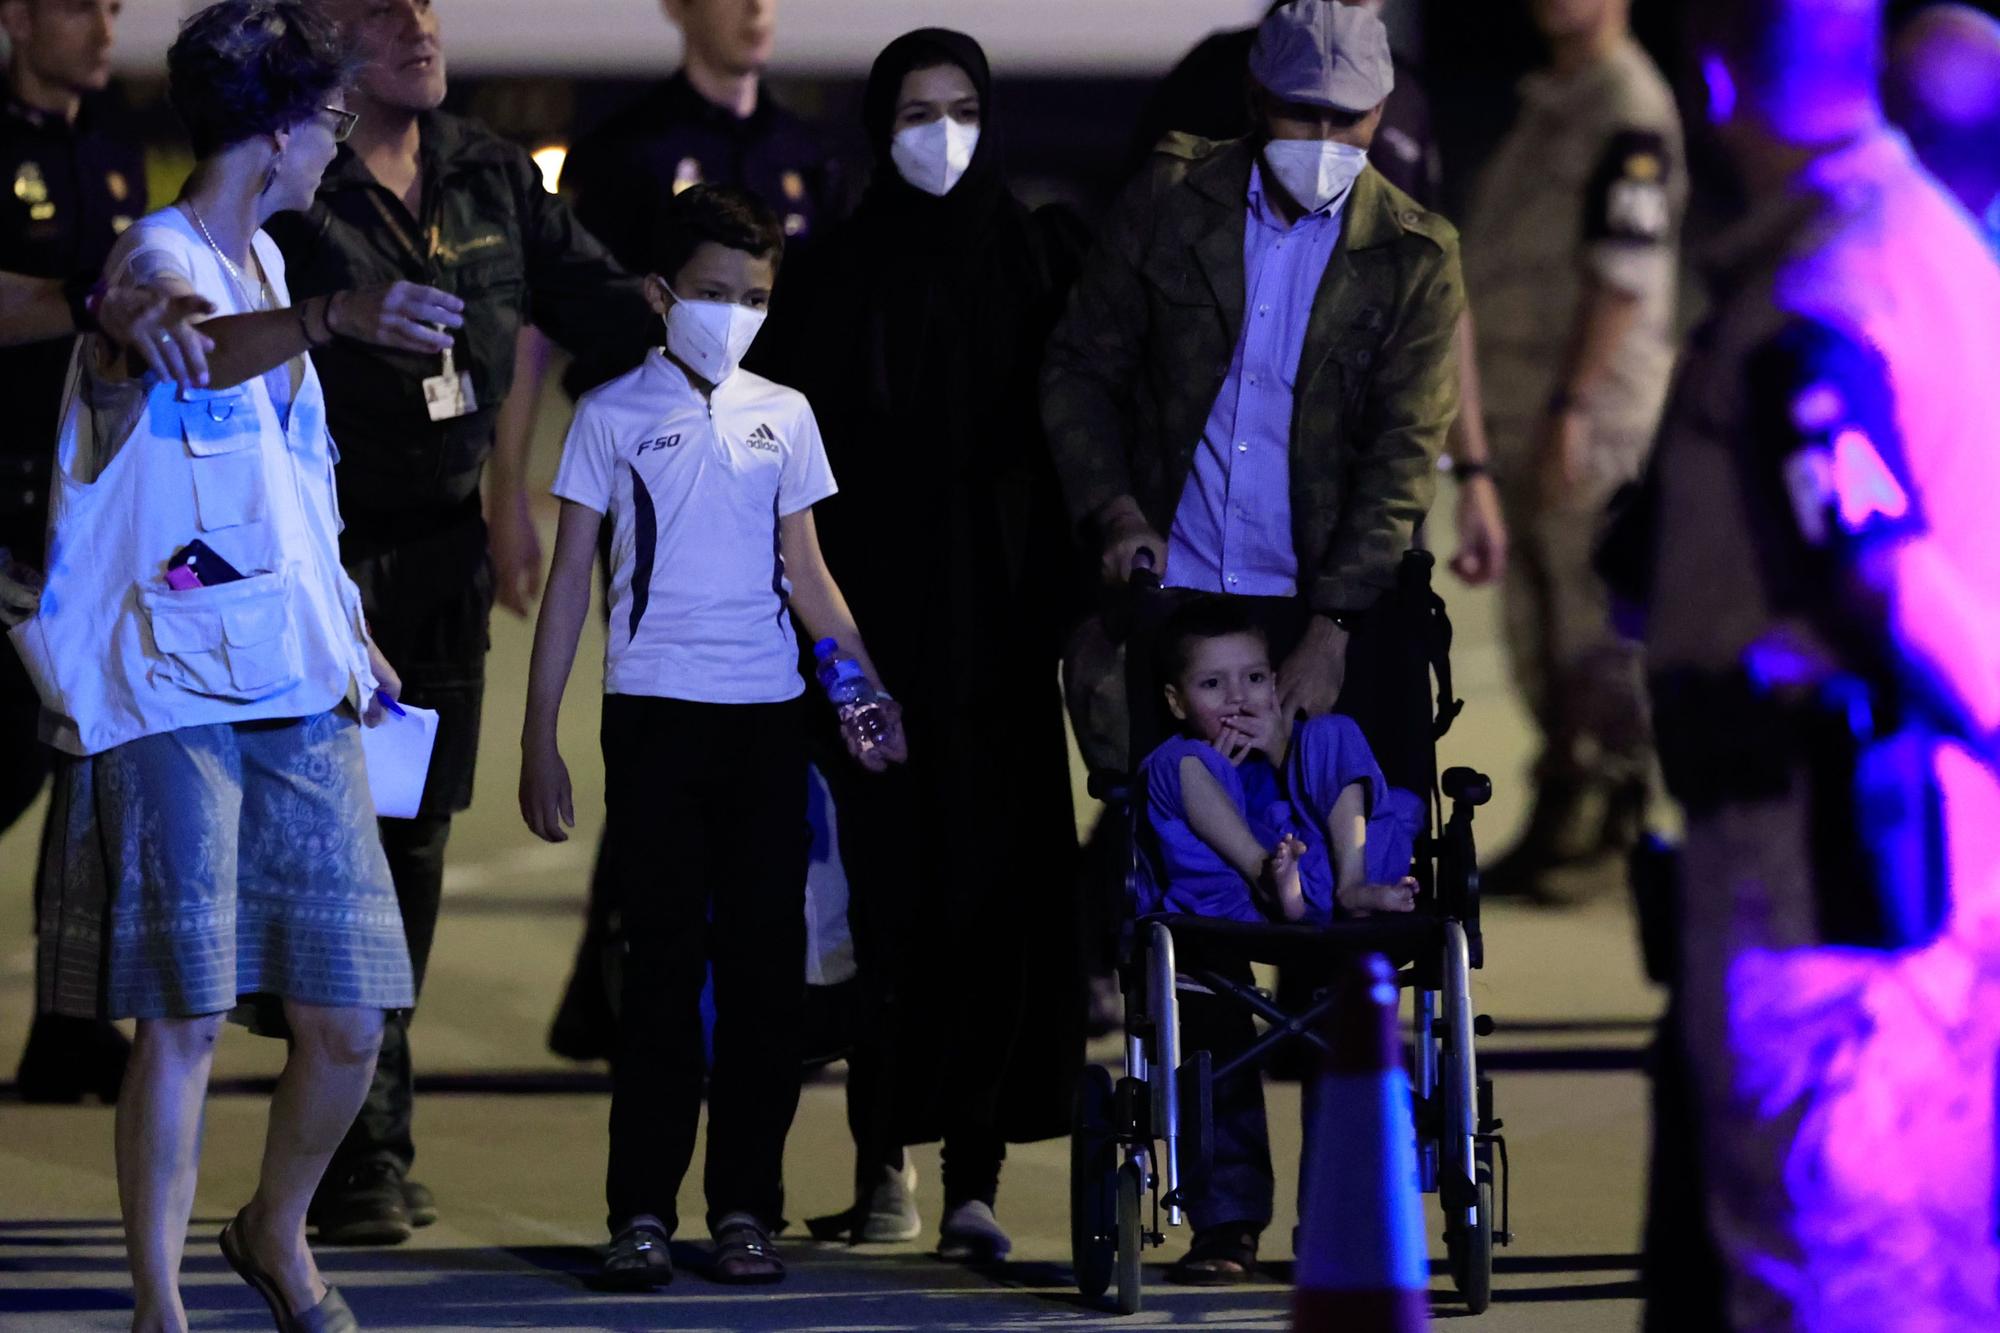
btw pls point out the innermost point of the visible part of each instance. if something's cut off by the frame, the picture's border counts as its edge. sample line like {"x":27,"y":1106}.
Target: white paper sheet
{"x":399,"y":757}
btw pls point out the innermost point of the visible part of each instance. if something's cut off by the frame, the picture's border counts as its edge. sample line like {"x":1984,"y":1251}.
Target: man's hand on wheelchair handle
{"x":1309,"y":680}
{"x":1127,"y":534}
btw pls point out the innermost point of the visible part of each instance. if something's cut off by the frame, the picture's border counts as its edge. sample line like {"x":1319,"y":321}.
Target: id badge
{"x":448,"y":393}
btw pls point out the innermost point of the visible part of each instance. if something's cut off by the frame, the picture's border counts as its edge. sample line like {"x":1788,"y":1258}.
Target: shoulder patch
{"x":1433,"y":227}
{"x":1187,"y":147}
{"x":1823,"y":424}
{"x":1629,"y":197}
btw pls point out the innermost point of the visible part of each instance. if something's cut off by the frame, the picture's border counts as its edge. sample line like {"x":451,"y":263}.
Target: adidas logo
{"x":763,"y":438}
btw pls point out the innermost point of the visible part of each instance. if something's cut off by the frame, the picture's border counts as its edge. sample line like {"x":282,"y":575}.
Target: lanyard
{"x":427,"y":258}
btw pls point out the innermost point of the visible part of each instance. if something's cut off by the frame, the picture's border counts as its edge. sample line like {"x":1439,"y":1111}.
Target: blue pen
{"x":389,"y":703}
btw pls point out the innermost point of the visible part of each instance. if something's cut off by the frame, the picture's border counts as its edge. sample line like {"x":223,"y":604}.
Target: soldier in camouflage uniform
{"x":1570,"y":260}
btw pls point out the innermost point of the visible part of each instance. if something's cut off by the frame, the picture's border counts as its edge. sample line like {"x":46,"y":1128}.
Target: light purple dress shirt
{"x":1233,"y":530}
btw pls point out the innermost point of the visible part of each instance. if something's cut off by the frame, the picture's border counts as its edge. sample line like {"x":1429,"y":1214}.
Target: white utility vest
{"x":115,"y":652}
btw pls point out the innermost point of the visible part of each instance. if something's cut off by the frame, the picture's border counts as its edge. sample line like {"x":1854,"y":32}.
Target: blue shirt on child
{"x":1178,"y":872}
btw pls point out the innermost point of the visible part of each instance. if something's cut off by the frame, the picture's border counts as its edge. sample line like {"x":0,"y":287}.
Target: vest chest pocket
{"x":232,"y":641}
{"x":222,"y":431}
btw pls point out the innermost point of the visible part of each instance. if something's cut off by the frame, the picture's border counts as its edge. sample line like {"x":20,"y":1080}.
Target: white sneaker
{"x":970,"y":1234}
{"x":891,"y":1208}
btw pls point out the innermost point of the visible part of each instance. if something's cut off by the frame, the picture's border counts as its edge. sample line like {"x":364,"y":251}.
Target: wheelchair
{"x":1141,"y":1143}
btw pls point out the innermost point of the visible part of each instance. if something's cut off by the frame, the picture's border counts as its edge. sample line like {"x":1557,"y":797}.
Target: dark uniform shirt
{"x":73,"y":189}
{"x":620,"y":176}
{"x":488,"y":232}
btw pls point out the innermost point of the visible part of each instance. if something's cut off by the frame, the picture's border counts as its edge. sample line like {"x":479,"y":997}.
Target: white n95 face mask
{"x":932,"y":157}
{"x":1315,"y":172}
{"x":710,"y":337}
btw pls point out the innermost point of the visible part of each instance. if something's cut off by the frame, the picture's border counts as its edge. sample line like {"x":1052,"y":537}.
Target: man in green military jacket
{"x":1258,"y":360}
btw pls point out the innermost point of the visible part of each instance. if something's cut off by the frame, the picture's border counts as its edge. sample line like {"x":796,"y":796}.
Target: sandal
{"x":744,"y":1255}
{"x":1224,"y":1256}
{"x":331,"y":1315}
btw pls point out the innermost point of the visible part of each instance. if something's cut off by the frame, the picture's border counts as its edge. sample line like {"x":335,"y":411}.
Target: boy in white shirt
{"x":708,"y":475}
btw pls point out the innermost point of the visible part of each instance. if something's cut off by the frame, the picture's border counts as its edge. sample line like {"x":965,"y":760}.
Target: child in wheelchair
{"x":1250,"y":816}
{"x":1253,"y":817}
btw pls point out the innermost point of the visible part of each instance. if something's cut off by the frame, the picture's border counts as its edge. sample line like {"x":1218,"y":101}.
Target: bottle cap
{"x":825,"y":648}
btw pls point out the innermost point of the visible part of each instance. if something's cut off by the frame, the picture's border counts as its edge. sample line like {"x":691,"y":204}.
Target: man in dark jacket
{"x":1266,"y":377}
{"x":437,"y":199}
{"x":1259,"y":361}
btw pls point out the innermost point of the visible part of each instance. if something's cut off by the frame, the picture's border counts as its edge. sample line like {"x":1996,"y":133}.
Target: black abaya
{"x":917,"y":333}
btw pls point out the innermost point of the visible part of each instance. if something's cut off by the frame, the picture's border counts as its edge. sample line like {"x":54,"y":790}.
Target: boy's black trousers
{"x":705,"y":810}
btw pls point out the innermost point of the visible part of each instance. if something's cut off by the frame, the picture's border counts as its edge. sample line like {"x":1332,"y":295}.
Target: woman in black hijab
{"x":916,"y":328}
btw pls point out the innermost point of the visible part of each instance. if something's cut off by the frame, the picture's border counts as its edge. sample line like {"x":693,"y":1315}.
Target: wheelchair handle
{"x":1145,"y":575}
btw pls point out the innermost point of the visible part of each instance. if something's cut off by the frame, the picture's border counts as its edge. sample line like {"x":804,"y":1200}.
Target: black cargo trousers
{"x":427,"y":589}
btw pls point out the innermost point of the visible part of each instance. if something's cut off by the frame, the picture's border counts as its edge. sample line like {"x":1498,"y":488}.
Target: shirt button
{"x":1253,"y":379}
{"x":1232,"y":580}
{"x":1242,"y":446}
{"x":1263,"y":309}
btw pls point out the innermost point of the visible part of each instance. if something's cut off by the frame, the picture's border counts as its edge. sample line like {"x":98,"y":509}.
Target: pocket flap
{"x":217,"y":421}
{"x":253,"y":622}
{"x":193,"y":629}
{"x":198,"y":620}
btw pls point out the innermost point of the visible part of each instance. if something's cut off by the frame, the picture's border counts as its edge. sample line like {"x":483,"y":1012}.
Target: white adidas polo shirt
{"x":694,"y":488}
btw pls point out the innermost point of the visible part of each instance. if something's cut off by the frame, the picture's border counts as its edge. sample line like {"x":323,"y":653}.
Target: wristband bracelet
{"x":1466,"y":471}
{"x":1562,"y":400}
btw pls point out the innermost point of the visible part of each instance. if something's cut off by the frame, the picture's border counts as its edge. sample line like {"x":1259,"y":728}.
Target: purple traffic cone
{"x":1361,"y":1263}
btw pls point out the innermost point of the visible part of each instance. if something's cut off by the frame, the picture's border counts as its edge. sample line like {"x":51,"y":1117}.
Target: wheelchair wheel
{"x":1470,"y":1250}
{"x":1131,"y":1235}
{"x":1093,"y":1183}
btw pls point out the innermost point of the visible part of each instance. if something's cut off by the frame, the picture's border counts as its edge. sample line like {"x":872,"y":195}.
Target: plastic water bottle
{"x":854,"y":699}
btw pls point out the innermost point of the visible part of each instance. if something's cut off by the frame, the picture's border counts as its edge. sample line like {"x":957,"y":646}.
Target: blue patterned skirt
{"x":220,"y":868}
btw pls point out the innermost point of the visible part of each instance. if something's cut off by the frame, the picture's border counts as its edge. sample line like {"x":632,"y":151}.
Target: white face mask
{"x":932,"y":157}
{"x":710,"y":337}
{"x":1315,"y":172}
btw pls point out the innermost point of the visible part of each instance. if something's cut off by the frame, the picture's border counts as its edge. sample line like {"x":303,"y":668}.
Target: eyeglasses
{"x":343,"y":122}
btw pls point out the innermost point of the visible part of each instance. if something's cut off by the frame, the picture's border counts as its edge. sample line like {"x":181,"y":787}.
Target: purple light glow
{"x":1721,"y":90}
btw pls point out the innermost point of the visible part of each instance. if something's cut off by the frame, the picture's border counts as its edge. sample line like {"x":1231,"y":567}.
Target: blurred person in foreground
{"x":917,"y":329}
{"x":429,"y":197}
{"x":78,"y":180}
{"x":1258,"y":361}
{"x":713,"y":121}
{"x":1821,"y":594}
{"x":1942,"y":89}
{"x":1571,"y":259}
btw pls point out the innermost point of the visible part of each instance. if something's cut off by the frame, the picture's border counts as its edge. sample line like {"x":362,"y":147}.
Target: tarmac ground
{"x":512,"y":1139}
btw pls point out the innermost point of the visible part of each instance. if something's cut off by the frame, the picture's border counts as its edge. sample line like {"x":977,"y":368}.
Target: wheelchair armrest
{"x":1466,"y":786}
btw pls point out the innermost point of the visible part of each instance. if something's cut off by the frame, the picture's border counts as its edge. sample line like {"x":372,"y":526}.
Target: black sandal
{"x":1224,"y":1256}
{"x":331,"y":1315}
{"x":744,"y":1255}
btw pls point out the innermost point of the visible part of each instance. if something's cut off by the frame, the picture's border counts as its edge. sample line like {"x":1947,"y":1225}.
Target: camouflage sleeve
{"x":1093,"y":361}
{"x":1411,"y":402}
{"x":1628,"y":219}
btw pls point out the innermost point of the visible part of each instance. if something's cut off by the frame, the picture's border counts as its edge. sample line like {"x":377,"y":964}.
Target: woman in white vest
{"x":203,"y":658}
